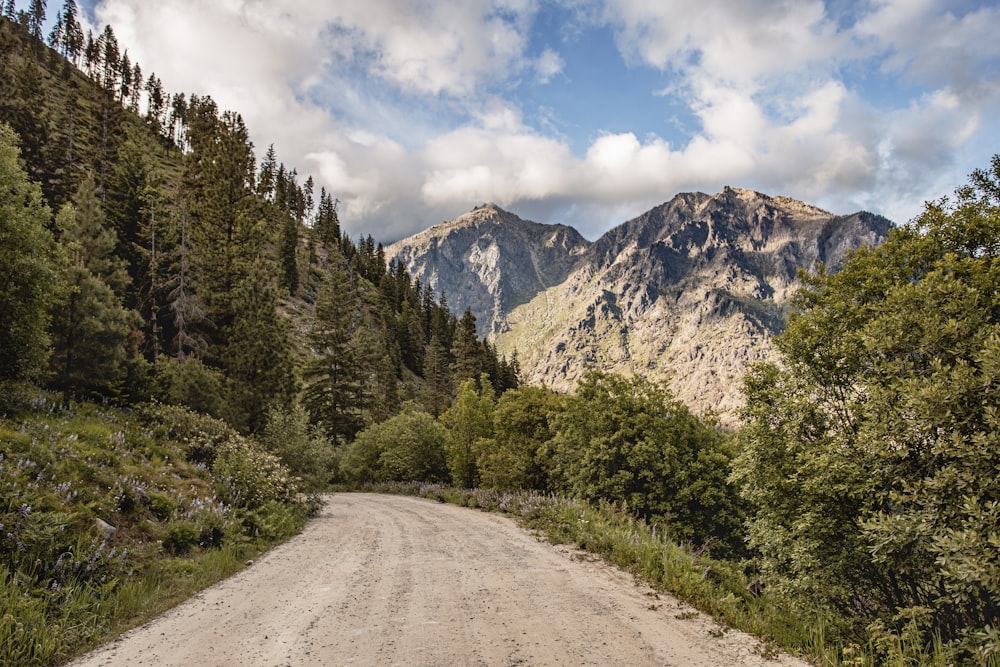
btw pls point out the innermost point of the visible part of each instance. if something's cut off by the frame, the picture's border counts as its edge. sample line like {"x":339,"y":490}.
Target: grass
{"x":166,"y":481}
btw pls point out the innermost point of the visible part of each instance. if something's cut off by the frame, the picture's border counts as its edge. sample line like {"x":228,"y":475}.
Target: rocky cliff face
{"x":490,"y":261}
{"x":690,"y":292}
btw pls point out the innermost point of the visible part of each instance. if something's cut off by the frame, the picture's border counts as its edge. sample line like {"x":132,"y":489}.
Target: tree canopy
{"x":28,"y":278}
{"x":870,"y":453}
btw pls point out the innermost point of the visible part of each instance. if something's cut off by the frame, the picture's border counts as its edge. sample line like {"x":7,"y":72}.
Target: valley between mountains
{"x":395,"y":580}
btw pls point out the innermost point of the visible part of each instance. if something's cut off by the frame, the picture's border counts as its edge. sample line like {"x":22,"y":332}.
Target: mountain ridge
{"x":689,"y":292}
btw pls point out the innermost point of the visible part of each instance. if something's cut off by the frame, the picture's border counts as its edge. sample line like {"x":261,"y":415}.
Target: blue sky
{"x":589,"y":112}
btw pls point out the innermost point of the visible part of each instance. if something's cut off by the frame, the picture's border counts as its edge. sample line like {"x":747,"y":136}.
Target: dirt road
{"x":389,"y":580}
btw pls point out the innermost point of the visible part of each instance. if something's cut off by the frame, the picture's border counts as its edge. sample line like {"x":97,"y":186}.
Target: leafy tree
{"x":307,"y":454}
{"x":630,"y":442}
{"x":28,"y":277}
{"x":470,"y":424}
{"x":518,"y":456}
{"x":407,"y":447}
{"x":870,"y":453}
{"x":191,"y":383}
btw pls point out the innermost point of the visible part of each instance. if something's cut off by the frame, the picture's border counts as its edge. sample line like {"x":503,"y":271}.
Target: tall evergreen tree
{"x":327,"y":222}
{"x":437,"y":377}
{"x":466,"y":350}
{"x":268,"y":171}
{"x":91,"y":327}
{"x":258,"y":358}
{"x":72,"y":32}
{"x":226,"y":234}
{"x":333,"y":377}
{"x":190,"y":317}
{"x":288,"y":251}
{"x":36,"y":18}
{"x":56,"y":34}
{"x":129,"y":190}
{"x":110,"y":59}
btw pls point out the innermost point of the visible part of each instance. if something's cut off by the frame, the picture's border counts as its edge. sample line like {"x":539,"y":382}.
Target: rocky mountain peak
{"x":689,"y":292}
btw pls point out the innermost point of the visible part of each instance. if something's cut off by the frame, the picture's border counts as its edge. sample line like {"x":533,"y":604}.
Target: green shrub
{"x":302,"y":448}
{"x":182,"y":537}
{"x":407,"y":447}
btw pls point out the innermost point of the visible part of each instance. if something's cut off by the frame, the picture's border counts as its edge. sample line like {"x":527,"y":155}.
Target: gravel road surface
{"x":393,"y":580}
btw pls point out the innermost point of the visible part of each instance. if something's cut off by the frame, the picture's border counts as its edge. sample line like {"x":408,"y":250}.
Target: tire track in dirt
{"x":391,"y":580}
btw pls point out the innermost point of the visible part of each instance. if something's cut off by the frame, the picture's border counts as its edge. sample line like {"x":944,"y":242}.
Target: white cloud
{"x":410,"y":113}
{"x":548,"y":65}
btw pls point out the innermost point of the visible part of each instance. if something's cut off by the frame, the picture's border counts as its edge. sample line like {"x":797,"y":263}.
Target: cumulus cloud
{"x":411,"y":113}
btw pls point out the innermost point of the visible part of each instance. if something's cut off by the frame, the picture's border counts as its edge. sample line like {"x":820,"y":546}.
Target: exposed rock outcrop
{"x":690,"y":292}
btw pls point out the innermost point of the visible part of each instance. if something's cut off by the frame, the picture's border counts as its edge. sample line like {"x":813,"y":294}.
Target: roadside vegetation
{"x":852,"y":519}
{"x":189,"y":343}
{"x":109,"y":516}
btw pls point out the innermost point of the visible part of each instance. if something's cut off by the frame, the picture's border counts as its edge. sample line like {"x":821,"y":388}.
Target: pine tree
{"x":258,"y":358}
{"x":288,"y":251}
{"x":128,"y":192}
{"x":56,"y":34}
{"x":437,"y":378}
{"x":136,"y":89}
{"x":466,"y":351}
{"x":333,"y":377}
{"x":111,"y":59}
{"x":226,"y":234}
{"x":91,"y":327}
{"x":72,"y":32}
{"x":36,"y":18}
{"x":268,"y":169}
{"x":178,"y":113}
{"x":91,"y":54}
{"x":125,"y":87}
{"x":190,"y":317}
{"x":154,"y":114}
{"x":307,"y":193}
{"x":327,"y":222}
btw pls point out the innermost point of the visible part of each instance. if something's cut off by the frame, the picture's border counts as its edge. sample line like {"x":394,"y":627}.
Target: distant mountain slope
{"x":490,"y":261}
{"x":690,"y":292}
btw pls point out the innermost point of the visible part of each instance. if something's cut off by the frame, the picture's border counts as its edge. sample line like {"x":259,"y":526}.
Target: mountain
{"x":689,"y":292}
{"x":491,"y":261}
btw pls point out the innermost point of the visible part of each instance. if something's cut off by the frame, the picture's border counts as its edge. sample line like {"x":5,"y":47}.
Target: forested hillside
{"x":189,"y":342}
{"x":183,"y":268}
